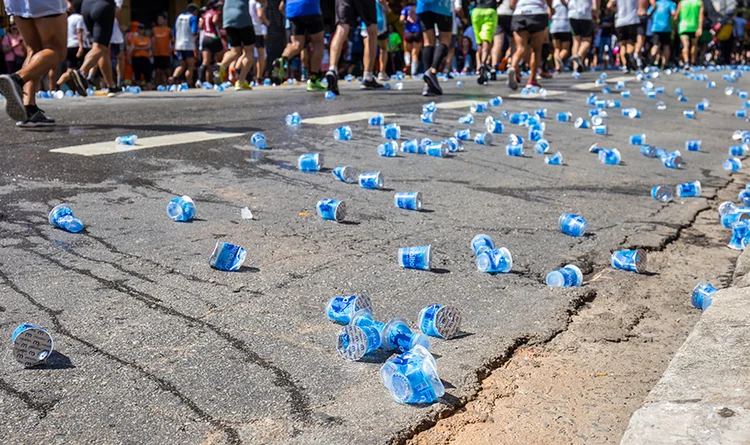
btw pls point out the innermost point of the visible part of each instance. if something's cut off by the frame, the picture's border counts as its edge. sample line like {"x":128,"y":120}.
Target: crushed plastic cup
{"x":541,"y":147}
{"x":494,"y":260}
{"x":463,"y":135}
{"x":468,"y":119}
{"x":483,"y":138}
{"x":597,"y":120}
{"x":293,"y":120}
{"x":572,"y":224}
{"x":346,"y":174}
{"x":741,"y":114}
{"x":662,"y":193}
{"x":429,"y":107}
{"x":259,"y":141}
{"x":514,"y":150}
{"x":630,"y":260}
{"x":740,"y":234}
{"x":673,"y":160}
{"x":610,"y":157}
{"x":693,"y":145}
{"x":423,"y":144}
{"x":181,"y":209}
{"x":330,"y":95}
{"x":661,"y":106}
{"x":732,"y":164}
{"x":408,"y":200}
{"x":417,"y":257}
{"x":478,"y":107}
{"x":568,"y":276}
{"x":371,"y":180}
{"x":331,"y":209}
{"x":341,"y":309}
{"x":638,"y":139}
{"x":738,"y":150}
{"x":32,"y":344}
{"x":453,"y":144}
{"x":378,"y":119}
{"x":61,"y":216}
{"x":412,"y":377}
{"x":514,"y":139}
{"x":648,"y":151}
{"x":493,"y":125}
{"x":310,"y":162}
{"x":582,"y":123}
{"x":428,"y":117}
{"x":343,"y":133}
{"x":227,"y":257}
{"x":480,"y":243}
{"x":388,"y":149}
{"x":702,"y":295}
{"x":689,"y":189}
{"x":556,"y":159}
{"x":542,"y":113}
{"x":410,"y":146}
{"x":130,"y":139}
{"x":440,"y":321}
{"x":496,"y":101}
{"x":391,"y":131}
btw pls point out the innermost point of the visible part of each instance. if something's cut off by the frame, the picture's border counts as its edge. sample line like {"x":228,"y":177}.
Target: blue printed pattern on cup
{"x":181,"y":209}
{"x":702,"y":295}
{"x":408,"y":200}
{"x":568,"y":276}
{"x":331,"y":209}
{"x":341,"y":309}
{"x":417,"y":257}
{"x":439,"y":321}
{"x":630,"y":260}
{"x":412,"y":377}
{"x":495,"y":261}
{"x":572,"y":224}
{"x":32,"y":344}
{"x":61,"y":216}
{"x":227,"y":257}
{"x":481,"y":243}
{"x":371,"y":180}
{"x":310,"y":162}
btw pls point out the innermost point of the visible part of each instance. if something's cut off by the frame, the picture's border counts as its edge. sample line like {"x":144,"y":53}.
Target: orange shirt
{"x":162,"y":37}
{"x":141,"y":45}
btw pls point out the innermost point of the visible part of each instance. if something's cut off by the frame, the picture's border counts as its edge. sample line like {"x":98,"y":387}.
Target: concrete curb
{"x":704,"y":395}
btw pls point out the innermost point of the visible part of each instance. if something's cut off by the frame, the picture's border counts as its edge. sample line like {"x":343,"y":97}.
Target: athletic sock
{"x":367,"y":76}
{"x":428,"y":53}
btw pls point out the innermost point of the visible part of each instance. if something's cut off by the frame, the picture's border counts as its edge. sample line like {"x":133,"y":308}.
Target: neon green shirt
{"x":689,"y":16}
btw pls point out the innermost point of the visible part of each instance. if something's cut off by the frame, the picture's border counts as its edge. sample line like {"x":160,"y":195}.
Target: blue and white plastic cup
{"x":463,"y":135}
{"x":597,"y":120}
{"x":259,"y":141}
{"x":494,"y":260}
{"x":662,"y":193}
{"x":391,"y":131}
{"x":565,"y":116}
{"x":480,"y":243}
{"x":453,"y":145}
{"x":436,"y":320}
{"x":227,"y":257}
{"x":343,"y":133}
{"x":693,"y":145}
{"x":556,"y":159}
{"x":412,"y":377}
{"x":61,"y":216}
{"x":310,"y":162}
{"x":496,"y":101}
{"x":638,"y":139}
{"x":514,"y":150}
{"x":129,"y":140}
{"x":355,"y":341}
{"x":732,"y":164}
{"x":740,"y":233}
{"x":410,"y":146}
{"x":610,"y":157}
{"x":32,"y":344}
{"x":388,"y":149}
{"x":408,"y":200}
{"x":293,"y":120}
{"x":630,"y":260}
{"x":689,"y":114}
{"x":737,"y":150}
{"x":341,"y":309}
{"x":417,"y":257}
{"x":581,"y":123}
{"x":568,"y":276}
{"x":600,"y":130}
{"x":429,"y":106}
{"x":514,"y":139}
{"x":648,"y":151}
{"x":397,"y":336}
{"x":689,"y":189}
{"x":483,"y":138}
{"x":673,"y":160}
{"x":703,"y":295}
{"x":478,"y":107}
{"x":468,"y":119}
{"x":181,"y":209}
{"x":437,"y":149}
{"x":378,"y":119}
{"x":346,"y":173}
{"x":371,"y":180}
{"x":331,"y":209}
{"x":423,"y":144}
{"x":428,"y":117}
{"x":541,"y":146}
{"x":741,"y":114}
{"x":535,"y":134}
{"x":572,"y":224}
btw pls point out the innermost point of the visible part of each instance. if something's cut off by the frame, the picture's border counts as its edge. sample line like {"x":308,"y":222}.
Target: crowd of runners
{"x":80,"y":45}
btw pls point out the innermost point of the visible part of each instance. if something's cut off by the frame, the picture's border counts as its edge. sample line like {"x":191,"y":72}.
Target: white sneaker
{"x":384,"y":77}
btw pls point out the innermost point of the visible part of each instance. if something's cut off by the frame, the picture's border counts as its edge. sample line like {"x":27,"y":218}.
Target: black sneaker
{"x":333,"y":82}
{"x":493,"y":75}
{"x":482,"y":79}
{"x":80,"y":84}
{"x":114,"y":92}
{"x":432,"y":82}
{"x":579,"y":63}
{"x":512,"y":79}
{"x":11,"y":86}
{"x":449,"y":75}
{"x":36,"y":120}
{"x":427,"y":92}
{"x":371,"y":84}
{"x":277,"y":71}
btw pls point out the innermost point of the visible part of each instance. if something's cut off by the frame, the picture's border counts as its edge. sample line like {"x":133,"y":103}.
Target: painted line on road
{"x":109,"y":147}
{"x":550,"y":93}
{"x":455,"y":104}
{"x":593,"y":86}
{"x":343,"y":118}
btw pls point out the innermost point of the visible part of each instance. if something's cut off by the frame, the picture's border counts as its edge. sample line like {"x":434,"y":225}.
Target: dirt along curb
{"x":583,"y":385}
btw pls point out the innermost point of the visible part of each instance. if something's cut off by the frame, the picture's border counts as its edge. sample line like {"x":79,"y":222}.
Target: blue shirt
{"x":301,"y":8}
{"x":661,"y":20}
{"x":442,"y":7}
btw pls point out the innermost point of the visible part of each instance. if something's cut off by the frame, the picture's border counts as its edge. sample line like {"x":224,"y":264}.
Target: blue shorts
{"x":36,"y":9}
{"x":184,"y":55}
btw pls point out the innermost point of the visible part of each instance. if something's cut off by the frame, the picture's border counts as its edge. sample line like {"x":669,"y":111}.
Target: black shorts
{"x":429,"y":19}
{"x":212,"y":45}
{"x":238,"y":37}
{"x":562,"y":36}
{"x":260,"y":41}
{"x":662,"y":38}
{"x":71,"y":60}
{"x":162,"y":62}
{"x":530,"y":23}
{"x":690,"y":35}
{"x":306,"y":25}
{"x":114,"y":50}
{"x":504,"y":23}
{"x":141,"y":67}
{"x":185,"y":55}
{"x":99,"y":16}
{"x":582,"y":27}
{"x":383,"y":36}
{"x":642,"y":25}
{"x":413,"y":37}
{"x":347,"y":12}
{"x":627,"y":33}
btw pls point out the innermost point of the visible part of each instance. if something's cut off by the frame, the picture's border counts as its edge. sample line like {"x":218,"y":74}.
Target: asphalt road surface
{"x":153,"y":346}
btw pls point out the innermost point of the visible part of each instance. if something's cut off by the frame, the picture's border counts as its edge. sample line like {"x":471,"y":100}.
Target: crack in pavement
{"x":43,"y":408}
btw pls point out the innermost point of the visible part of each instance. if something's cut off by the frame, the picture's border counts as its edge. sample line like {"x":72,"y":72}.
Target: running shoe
{"x":242,"y":86}
{"x":222,"y":74}
{"x":579,"y":63}
{"x":11,"y":86}
{"x":431,"y":80}
{"x":512,"y":79}
{"x":383,"y":77}
{"x":371,"y":84}
{"x":532,"y":83}
{"x":114,"y":92}
{"x":80,"y":84}
{"x":560,"y":64}
{"x":333,"y":82}
{"x":36,"y":120}
{"x":427,"y":92}
{"x":504,"y":64}
{"x":277,"y":71}
{"x":315,"y":85}
{"x":198,"y":84}
{"x":482,"y":79}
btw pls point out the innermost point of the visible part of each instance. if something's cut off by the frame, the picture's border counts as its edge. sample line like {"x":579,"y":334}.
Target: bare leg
{"x":342,"y":32}
{"x":247,"y":62}
{"x":316,"y":57}
{"x":537,"y":40}
{"x":105,"y":67}
{"x":260,"y":64}
{"x":371,"y":47}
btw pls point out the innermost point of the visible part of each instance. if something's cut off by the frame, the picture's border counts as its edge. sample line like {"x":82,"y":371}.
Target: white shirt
{"x":580,"y":9}
{"x":504,"y":8}
{"x":258,"y":25}
{"x":117,"y":37}
{"x":627,"y":13}
{"x":559,"y":21}
{"x":530,"y":7}
{"x":75,"y":22}
{"x":183,"y":35}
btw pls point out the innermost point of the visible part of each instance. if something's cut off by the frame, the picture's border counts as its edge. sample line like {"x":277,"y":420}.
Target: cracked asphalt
{"x":153,"y":346}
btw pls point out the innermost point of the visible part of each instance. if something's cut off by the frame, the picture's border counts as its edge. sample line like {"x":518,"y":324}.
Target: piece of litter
{"x":303,"y":214}
{"x":601,"y":374}
{"x":246,"y":213}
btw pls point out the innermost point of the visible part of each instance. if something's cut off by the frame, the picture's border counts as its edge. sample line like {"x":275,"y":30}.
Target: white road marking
{"x":550,"y":93}
{"x":455,"y":104}
{"x":109,"y":147}
{"x":590,"y":86}
{"x":343,"y":118}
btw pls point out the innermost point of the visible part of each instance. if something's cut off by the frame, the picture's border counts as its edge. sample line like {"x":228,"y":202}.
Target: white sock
{"x":407,"y":59}
{"x":415,"y":69}
{"x":367,"y":76}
